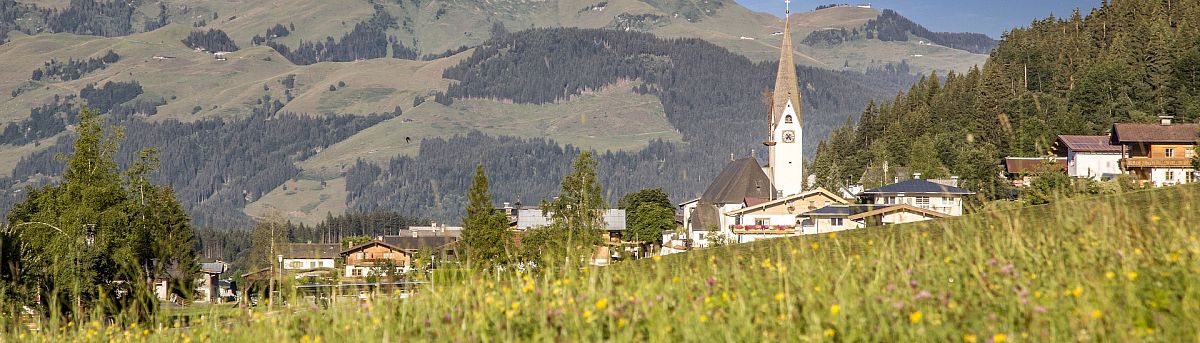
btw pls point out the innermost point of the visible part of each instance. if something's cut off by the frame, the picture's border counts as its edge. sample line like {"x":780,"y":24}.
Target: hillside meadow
{"x":1117,"y":268}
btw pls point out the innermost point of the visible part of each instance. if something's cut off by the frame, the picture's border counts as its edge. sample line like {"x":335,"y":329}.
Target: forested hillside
{"x":1126,"y":61}
{"x":890,"y":26}
{"x":712,"y":97}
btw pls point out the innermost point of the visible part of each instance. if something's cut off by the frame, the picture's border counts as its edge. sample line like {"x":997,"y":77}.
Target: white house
{"x":308,"y":256}
{"x":1093,"y":157}
{"x":847,"y":217}
{"x":923,"y":194}
{"x":762,"y":218}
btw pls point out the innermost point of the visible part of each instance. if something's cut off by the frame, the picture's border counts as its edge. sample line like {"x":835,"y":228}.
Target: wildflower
{"x":779,"y":296}
{"x":674,"y":279}
{"x":1131,"y":275}
{"x":602,"y":304}
{"x":656,"y":258}
{"x":815,"y":246}
{"x":970,"y":339}
{"x":1155,"y":218}
{"x":829,"y":332}
{"x":587,"y":315}
{"x":999,"y":338}
{"x":1078,"y":291}
{"x":835,"y":309}
{"x":833,"y":235}
{"x":1096,"y":314}
{"x":703,"y":318}
{"x":915,"y":317}
{"x":1173,"y":257}
{"x":766,"y":263}
{"x":622,"y":322}
{"x":1110,"y":275}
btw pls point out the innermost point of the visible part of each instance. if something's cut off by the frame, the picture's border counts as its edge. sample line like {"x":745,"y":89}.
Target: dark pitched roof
{"x":375,"y":242}
{"x":310,"y":250}
{"x":741,"y":179}
{"x":1085,"y":144}
{"x":1033,"y":165}
{"x":417,"y":243}
{"x":917,"y":186}
{"x":1155,"y":133}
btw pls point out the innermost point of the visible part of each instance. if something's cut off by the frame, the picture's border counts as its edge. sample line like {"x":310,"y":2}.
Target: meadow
{"x":1116,"y":268}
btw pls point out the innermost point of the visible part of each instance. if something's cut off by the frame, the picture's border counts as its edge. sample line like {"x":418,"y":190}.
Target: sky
{"x":990,"y":17}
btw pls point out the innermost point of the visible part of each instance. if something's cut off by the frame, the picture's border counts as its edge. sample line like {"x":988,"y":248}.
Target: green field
{"x":1110,"y":269}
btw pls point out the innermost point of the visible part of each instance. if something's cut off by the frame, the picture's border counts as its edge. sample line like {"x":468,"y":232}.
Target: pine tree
{"x":485,"y":230}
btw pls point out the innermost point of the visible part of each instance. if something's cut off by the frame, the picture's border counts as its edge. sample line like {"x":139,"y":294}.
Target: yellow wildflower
{"x":602,"y":304}
{"x":1110,"y":275}
{"x":1078,"y":291}
{"x":703,"y":318}
{"x":1131,"y":275}
{"x":674,"y":279}
{"x":779,"y":296}
{"x":815,"y":246}
{"x":656,"y":258}
{"x":1096,"y":314}
{"x":970,"y":339}
{"x":830,"y":332}
{"x":622,"y":322}
{"x":999,"y":338}
{"x":915,"y":317}
{"x":835,"y":309}
{"x":1155,"y":218}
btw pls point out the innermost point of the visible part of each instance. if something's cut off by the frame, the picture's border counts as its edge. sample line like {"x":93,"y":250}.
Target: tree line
{"x":213,"y":40}
{"x":72,"y":69}
{"x":1127,"y":61}
{"x":890,"y":26}
{"x":367,"y":40}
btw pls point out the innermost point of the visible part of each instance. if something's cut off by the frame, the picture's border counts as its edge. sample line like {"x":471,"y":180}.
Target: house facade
{"x":762,"y":218}
{"x":376,"y":258}
{"x":1022,"y":170}
{"x":1092,"y":157}
{"x":943,"y":197}
{"x":308,"y":256}
{"x":1158,"y":154}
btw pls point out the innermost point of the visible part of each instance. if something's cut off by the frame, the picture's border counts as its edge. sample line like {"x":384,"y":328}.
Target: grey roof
{"x":312,"y":250}
{"x":741,"y":179}
{"x":919,"y":186}
{"x":1085,"y":144}
{"x":614,"y":220}
{"x":212,"y":268}
{"x":843,"y":210}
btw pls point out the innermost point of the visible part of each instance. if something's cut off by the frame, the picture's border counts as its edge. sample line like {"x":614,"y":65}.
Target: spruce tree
{"x":485,"y":230}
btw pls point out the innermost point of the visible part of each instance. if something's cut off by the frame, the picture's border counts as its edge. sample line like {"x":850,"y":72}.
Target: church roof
{"x":786,"y":83}
{"x":741,"y":179}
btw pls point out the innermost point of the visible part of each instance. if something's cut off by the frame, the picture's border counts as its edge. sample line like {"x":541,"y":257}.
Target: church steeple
{"x":786,"y":82}
{"x":785,"y":147}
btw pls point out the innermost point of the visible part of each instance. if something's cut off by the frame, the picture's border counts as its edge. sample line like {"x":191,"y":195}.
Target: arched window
{"x":787,"y":119}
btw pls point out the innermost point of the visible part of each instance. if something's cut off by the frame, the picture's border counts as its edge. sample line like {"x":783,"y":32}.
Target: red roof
{"x":1086,"y":144}
{"x":1033,"y":165}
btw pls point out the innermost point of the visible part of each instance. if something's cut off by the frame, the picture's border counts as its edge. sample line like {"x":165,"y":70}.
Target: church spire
{"x":786,"y":82}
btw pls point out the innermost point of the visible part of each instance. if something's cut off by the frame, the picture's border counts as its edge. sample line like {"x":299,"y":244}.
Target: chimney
{"x":731,"y":157}
{"x":954,"y":179}
{"x":916,"y":176}
{"x":1165,"y":120}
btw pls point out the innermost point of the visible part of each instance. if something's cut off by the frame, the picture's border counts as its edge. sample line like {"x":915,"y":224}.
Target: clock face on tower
{"x":789,"y":136}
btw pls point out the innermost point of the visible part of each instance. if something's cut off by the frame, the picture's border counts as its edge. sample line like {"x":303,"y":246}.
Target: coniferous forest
{"x":1075,"y":75}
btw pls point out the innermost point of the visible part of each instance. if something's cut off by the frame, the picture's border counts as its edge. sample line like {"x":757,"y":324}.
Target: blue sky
{"x":991,"y":17}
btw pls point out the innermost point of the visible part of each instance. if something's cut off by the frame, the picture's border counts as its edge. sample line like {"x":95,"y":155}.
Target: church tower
{"x":785,"y":146}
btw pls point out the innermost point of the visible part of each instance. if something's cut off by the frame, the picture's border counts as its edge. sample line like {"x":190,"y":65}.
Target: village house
{"x":1022,"y":170}
{"x":208,"y":288}
{"x":942,"y":196}
{"x":1092,"y":157}
{"x":763,"y":218}
{"x":376,"y":258}
{"x":305,"y":258}
{"x":531,"y":217}
{"x":1158,"y":154}
{"x":856,"y":216}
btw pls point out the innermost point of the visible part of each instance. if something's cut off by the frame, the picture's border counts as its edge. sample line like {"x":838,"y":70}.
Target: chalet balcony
{"x":763,"y":229}
{"x":1156,"y":162}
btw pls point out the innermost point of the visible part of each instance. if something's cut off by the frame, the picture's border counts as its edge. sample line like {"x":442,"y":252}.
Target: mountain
{"x":393,"y":97}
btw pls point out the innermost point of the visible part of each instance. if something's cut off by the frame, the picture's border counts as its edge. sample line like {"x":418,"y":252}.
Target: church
{"x":749,"y":200}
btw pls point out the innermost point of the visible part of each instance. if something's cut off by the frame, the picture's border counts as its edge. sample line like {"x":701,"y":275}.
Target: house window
{"x":947,"y":201}
{"x":355,"y":272}
{"x":762,"y":221}
{"x":296,"y":265}
{"x":702,"y":236}
{"x":387,"y":255}
{"x":1170,"y":152}
{"x":787,"y":119}
{"x":1189,"y":176}
{"x":836,"y":221}
{"x":314,"y":264}
{"x":1170,"y":175}
{"x":1189,"y":153}
{"x":923,"y":201}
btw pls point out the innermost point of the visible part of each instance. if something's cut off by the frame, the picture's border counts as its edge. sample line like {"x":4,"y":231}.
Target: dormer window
{"x":787,"y":119}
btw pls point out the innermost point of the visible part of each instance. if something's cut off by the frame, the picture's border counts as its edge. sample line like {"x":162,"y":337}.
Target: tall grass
{"x":1119,"y":268}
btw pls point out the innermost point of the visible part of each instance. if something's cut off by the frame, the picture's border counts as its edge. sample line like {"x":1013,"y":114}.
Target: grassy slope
{"x":1119,"y":268}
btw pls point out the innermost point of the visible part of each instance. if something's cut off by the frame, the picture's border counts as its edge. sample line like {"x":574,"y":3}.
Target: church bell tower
{"x":785,"y":145}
